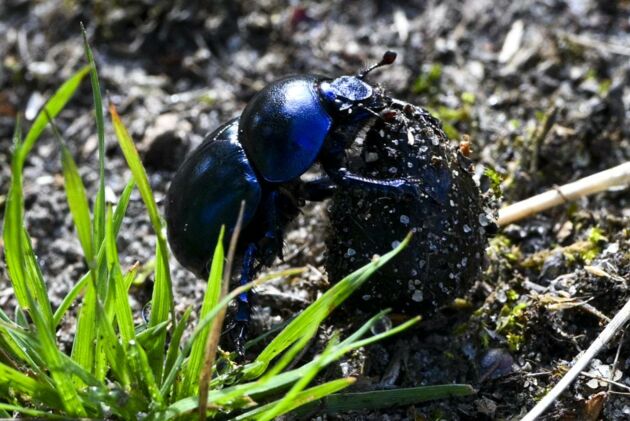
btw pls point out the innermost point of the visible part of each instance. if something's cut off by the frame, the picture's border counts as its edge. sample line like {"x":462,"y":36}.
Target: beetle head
{"x":346,"y":92}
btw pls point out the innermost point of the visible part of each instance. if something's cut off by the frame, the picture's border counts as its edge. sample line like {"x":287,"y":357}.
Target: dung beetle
{"x":259,"y":158}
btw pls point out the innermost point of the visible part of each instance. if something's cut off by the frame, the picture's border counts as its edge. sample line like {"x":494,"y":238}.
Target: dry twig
{"x":618,"y":176}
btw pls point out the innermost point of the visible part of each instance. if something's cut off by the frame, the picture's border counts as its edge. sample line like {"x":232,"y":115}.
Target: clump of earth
{"x":449,"y":217}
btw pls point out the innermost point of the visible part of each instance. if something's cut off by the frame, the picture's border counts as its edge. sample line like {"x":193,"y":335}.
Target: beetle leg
{"x":317,"y":190}
{"x":243,"y":311}
{"x":265,"y":251}
{"x":332,"y":158}
{"x":271,"y":244}
{"x":400,"y":188}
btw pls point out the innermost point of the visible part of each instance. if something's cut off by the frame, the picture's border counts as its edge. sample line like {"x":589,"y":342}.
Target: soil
{"x":540,"y":90}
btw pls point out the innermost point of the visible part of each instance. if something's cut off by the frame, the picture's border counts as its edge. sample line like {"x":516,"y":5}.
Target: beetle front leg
{"x":399,"y":188}
{"x":332,"y":157}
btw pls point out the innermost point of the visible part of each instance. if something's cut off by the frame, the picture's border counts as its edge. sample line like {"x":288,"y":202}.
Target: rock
{"x":166,"y":142}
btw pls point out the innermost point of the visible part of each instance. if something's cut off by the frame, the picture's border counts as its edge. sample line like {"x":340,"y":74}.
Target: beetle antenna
{"x":388,"y":58}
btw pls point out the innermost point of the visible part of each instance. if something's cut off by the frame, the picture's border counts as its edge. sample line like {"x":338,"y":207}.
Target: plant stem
{"x":618,"y":176}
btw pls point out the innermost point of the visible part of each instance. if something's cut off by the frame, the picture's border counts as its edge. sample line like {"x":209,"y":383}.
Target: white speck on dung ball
{"x":417,"y":296}
{"x":467,"y":229}
{"x":371,"y":157}
{"x":351,"y":252}
{"x":404,"y":219}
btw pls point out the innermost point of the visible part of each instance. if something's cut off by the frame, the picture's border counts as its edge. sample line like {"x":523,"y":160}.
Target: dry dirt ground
{"x":540,"y":87}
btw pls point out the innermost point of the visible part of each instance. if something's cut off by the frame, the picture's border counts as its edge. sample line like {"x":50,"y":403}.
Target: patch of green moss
{"x":511,"y":323}
{"x":501,"y":246}
{"x":586,"y":251}
{"x":428,"y":83}
{"x":512,"y":295}
{"x":514,"y":341}
{"x":468,"y":98}
{"x":495,"y":181}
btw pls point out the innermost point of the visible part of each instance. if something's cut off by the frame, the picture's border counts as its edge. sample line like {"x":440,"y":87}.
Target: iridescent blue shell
{"x":284,"y":127}
{"x":206,"y":193}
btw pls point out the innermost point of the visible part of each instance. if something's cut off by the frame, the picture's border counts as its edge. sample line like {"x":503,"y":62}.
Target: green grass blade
{"x":53,"y":107}
{"x":24,"y":270}
{"x":84,"y":346}
{"x":317,"y":311}
{"x":99,"y":203}
{"x":162,"y":304}
{"x":137,"y":169}
{"x":36,"y":279}
{"x":210,"y":301}
{"x":14,"y":211}
{"x":10,"y":378}
{"x":20,"y":343}
{"x":305,"y":397}
{"x":13,"y":223}
{"x":381,"y":399}
{"x":112,"y":349}
{"x":121,"y":206}
{"x":308,"y":334}
{"x":144,"y":373}
{"x":12,"y":348}
{"x":77,"y":199}
{"x":120,"y":299}
{"x":119,"y":213}
{"x":53,"y":358}
{"x":151,"y":334}
{"x":30,"y":412}
{"x":359,"y":333}
{"x":273,"y":385}
{"x":170,"y":378}
{"x":282,"y":380}
{"x":69,"y":299}
{"x":286,"y":403}
{"x":173,"y":346}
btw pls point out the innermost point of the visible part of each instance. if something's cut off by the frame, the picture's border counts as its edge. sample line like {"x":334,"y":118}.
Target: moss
{"x":501,"y":246}
{"x":514,"y":341}
{"x":512,"y":295}
{"x":495,"y":181}
{"x":511,"y":323}
{"x":428,"y":83}
{"x":587,"y":250}
{"x":468,"y":98}
{"x":583,"y":251}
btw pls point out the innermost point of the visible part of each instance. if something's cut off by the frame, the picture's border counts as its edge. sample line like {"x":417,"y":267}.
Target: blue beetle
{"x":259,"y":158}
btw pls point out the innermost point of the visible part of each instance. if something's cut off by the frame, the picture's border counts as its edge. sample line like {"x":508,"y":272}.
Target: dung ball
{"x":449,"y":216}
